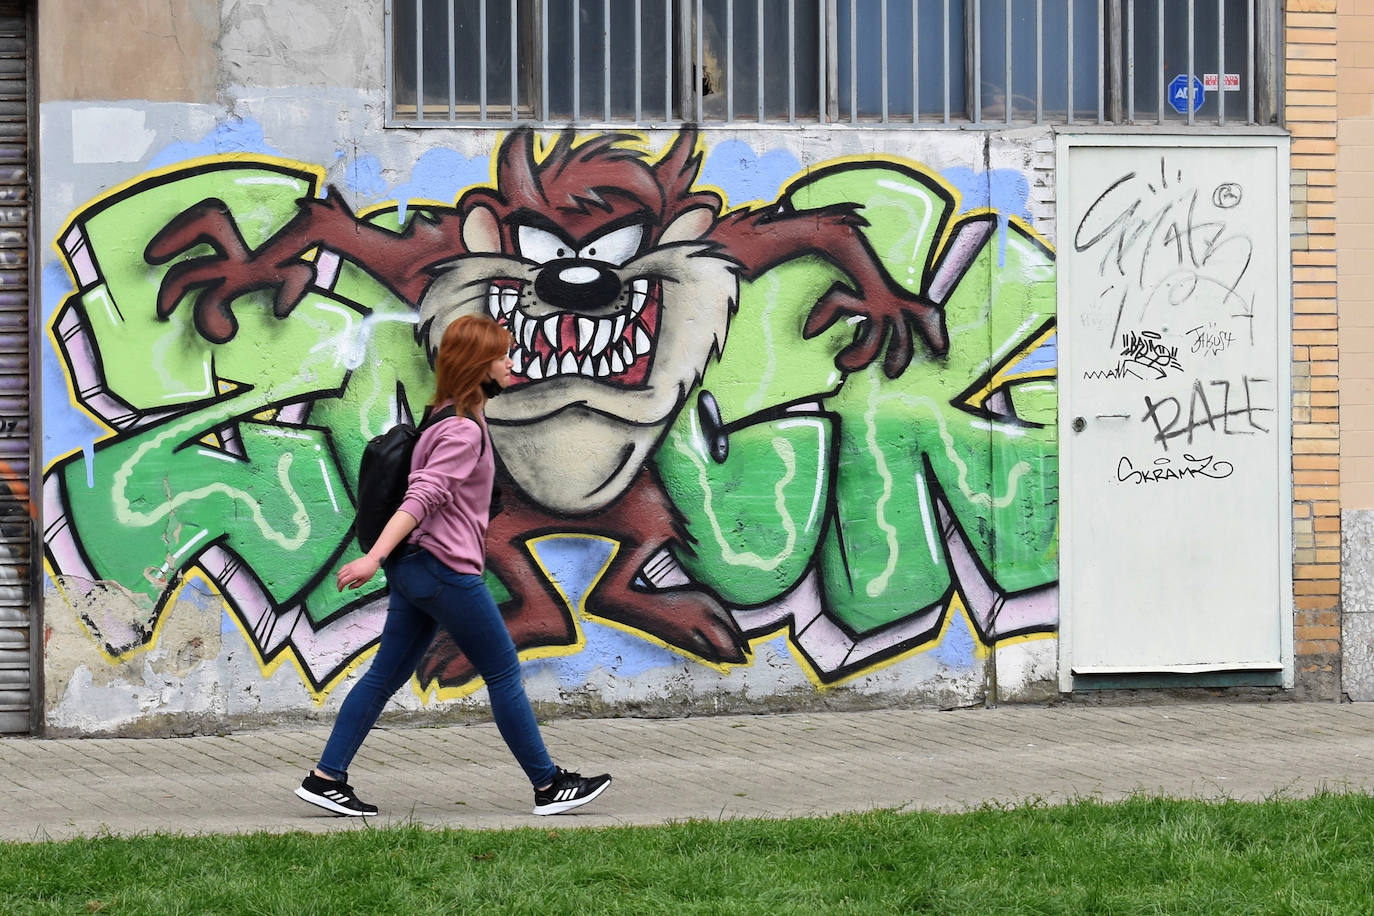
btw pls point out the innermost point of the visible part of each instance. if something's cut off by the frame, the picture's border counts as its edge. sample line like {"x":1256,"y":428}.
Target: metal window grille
{"x":855,"y":62}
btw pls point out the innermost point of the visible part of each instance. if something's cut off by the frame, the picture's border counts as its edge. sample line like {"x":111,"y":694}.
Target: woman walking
{"x":432,"y":550}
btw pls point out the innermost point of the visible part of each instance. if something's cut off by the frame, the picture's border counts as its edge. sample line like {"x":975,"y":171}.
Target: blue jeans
{"x":426,"y":595}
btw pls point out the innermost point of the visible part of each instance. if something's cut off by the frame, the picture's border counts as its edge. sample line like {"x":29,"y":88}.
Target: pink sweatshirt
{"x":449,"y":493}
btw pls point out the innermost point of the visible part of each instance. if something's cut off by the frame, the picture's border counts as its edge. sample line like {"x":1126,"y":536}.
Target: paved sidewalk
{"x":713,"y":767}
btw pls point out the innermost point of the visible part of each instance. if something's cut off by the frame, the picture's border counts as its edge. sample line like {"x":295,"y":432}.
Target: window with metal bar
{"x":856,"y":62}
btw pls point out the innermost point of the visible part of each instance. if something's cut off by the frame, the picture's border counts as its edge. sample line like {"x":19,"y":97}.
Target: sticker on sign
{"x":1180,"y":93}
{"x":1209,"y":82}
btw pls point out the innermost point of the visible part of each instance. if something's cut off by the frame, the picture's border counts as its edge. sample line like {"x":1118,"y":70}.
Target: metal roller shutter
{"x":17,"y":528}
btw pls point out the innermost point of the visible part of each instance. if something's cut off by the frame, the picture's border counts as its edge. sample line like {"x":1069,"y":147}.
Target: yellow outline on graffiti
{"x":954,"y":216}
{"x":951,"y":216}
{"x":419,"y":206}
{"x":581,"y":612}
{"x":223,"y":159}
{"x":636,"y":140}
{"x":1023,"y":639}
{"x":289,"y":655}
{"x":954,"y":608}
{"x":62,"y":592}
{"x":808,"y":669}
{"x":185,"y":165}
{"x":266,"y":668}
{"x":1002,"y":376}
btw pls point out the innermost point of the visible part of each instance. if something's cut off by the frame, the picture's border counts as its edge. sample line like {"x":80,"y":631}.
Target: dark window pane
{"x":498,"y":61}
{"x":560,"y":59}
{"x":430,"y":26}
{"x":736,"y":76}
{"x":591,"y":35}
{"x":466,"y":60}
{"x":746,"y":61}
{"x":712,"y":80}
{"x":434,"y":51}
{"x":807,"y":49}
{"x":403,"y":57}
{"x":1053,"y":57}
{"x":623,"y":66}
{"x":655,"y":75}
{"x":1151,"y":79}
{"x":805,"y":58}
{"x":932,"y":57}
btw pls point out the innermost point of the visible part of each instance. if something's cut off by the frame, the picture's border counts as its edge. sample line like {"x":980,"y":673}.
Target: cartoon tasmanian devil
{"x":617,"y":279}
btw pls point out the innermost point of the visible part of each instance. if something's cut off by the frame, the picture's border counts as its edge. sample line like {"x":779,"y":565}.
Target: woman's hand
{"x":357,"y":573}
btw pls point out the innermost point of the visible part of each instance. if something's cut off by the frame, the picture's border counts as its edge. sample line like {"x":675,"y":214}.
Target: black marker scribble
{"x":1163,"y":469}
{"x":1169,"y":421}
{"x":1157,"y":241}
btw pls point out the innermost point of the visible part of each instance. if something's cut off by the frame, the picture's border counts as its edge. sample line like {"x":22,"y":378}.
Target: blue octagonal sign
{"x":1178,"y":93}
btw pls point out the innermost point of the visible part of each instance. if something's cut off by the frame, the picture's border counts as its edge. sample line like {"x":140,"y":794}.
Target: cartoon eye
{"x":541,"y":246}
{"x":614,"y":247}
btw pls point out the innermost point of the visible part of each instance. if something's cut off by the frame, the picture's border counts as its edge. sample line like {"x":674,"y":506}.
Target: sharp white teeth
{"x":517,"y":323}
{"x":518,"y":360}
{"x":604,"y":327}
{"x":551,"y":367}
{"x":639,"y":294}
{"x":527,"y":333}
{"x":641,"y":342}
{"x":603,"y":367}
{"x":535,"y":371}
{"x":627,"y":353}
{"x":619,"y":327}
{"x":569,"y":364}
{"x":509,"y":298}
{"x":551,"y":331}
{"x":587,"y":368}
{"x":585,"y":329}
{"x":494,"y":302}
{"x":617,"y":364}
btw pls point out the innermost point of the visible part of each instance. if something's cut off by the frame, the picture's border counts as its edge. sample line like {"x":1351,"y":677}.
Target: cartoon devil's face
{"x":594,"y":260}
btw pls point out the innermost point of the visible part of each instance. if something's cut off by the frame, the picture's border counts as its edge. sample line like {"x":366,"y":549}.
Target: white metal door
{"x":1174,"y":423}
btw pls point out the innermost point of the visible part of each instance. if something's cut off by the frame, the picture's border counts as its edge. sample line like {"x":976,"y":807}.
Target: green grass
{"x":1144,"y":855}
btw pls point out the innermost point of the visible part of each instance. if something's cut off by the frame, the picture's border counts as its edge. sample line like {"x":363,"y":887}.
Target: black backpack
{"x":384,"y":473}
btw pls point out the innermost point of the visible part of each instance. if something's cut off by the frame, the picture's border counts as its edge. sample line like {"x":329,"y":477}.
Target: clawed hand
{"x":885,"y":316}
{"x":223,"y":276}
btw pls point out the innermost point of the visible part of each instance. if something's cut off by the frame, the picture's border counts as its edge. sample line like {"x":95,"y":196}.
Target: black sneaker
{"x":335,"y":797}
{"x":569,"y":791}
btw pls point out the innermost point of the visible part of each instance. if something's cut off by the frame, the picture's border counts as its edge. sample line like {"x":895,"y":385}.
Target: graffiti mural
{"x":828,"y":415}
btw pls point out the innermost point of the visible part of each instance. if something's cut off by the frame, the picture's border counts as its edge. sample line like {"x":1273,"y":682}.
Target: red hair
{"x":468,"y":347}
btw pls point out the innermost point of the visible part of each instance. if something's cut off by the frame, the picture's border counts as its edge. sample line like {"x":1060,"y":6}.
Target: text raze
{"x":1238,"y":414}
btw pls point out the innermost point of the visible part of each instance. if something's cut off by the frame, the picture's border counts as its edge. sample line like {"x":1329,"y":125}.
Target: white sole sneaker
{"x":329,"y":804}
{"x":560,"y":805}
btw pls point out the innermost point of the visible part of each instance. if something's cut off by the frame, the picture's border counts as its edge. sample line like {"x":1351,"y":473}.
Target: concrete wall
{"x":109,"y":49}
{"x":199,"y":469}
{"x":832,"y":527}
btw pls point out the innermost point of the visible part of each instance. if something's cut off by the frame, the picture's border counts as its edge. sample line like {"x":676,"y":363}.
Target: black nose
{"x":577,"y":285}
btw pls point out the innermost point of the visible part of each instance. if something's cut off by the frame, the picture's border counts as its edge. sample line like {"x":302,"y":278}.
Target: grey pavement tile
{"x":671,"y":770}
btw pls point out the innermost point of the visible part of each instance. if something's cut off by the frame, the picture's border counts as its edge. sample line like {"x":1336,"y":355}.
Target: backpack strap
{"x":431,"y":417}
